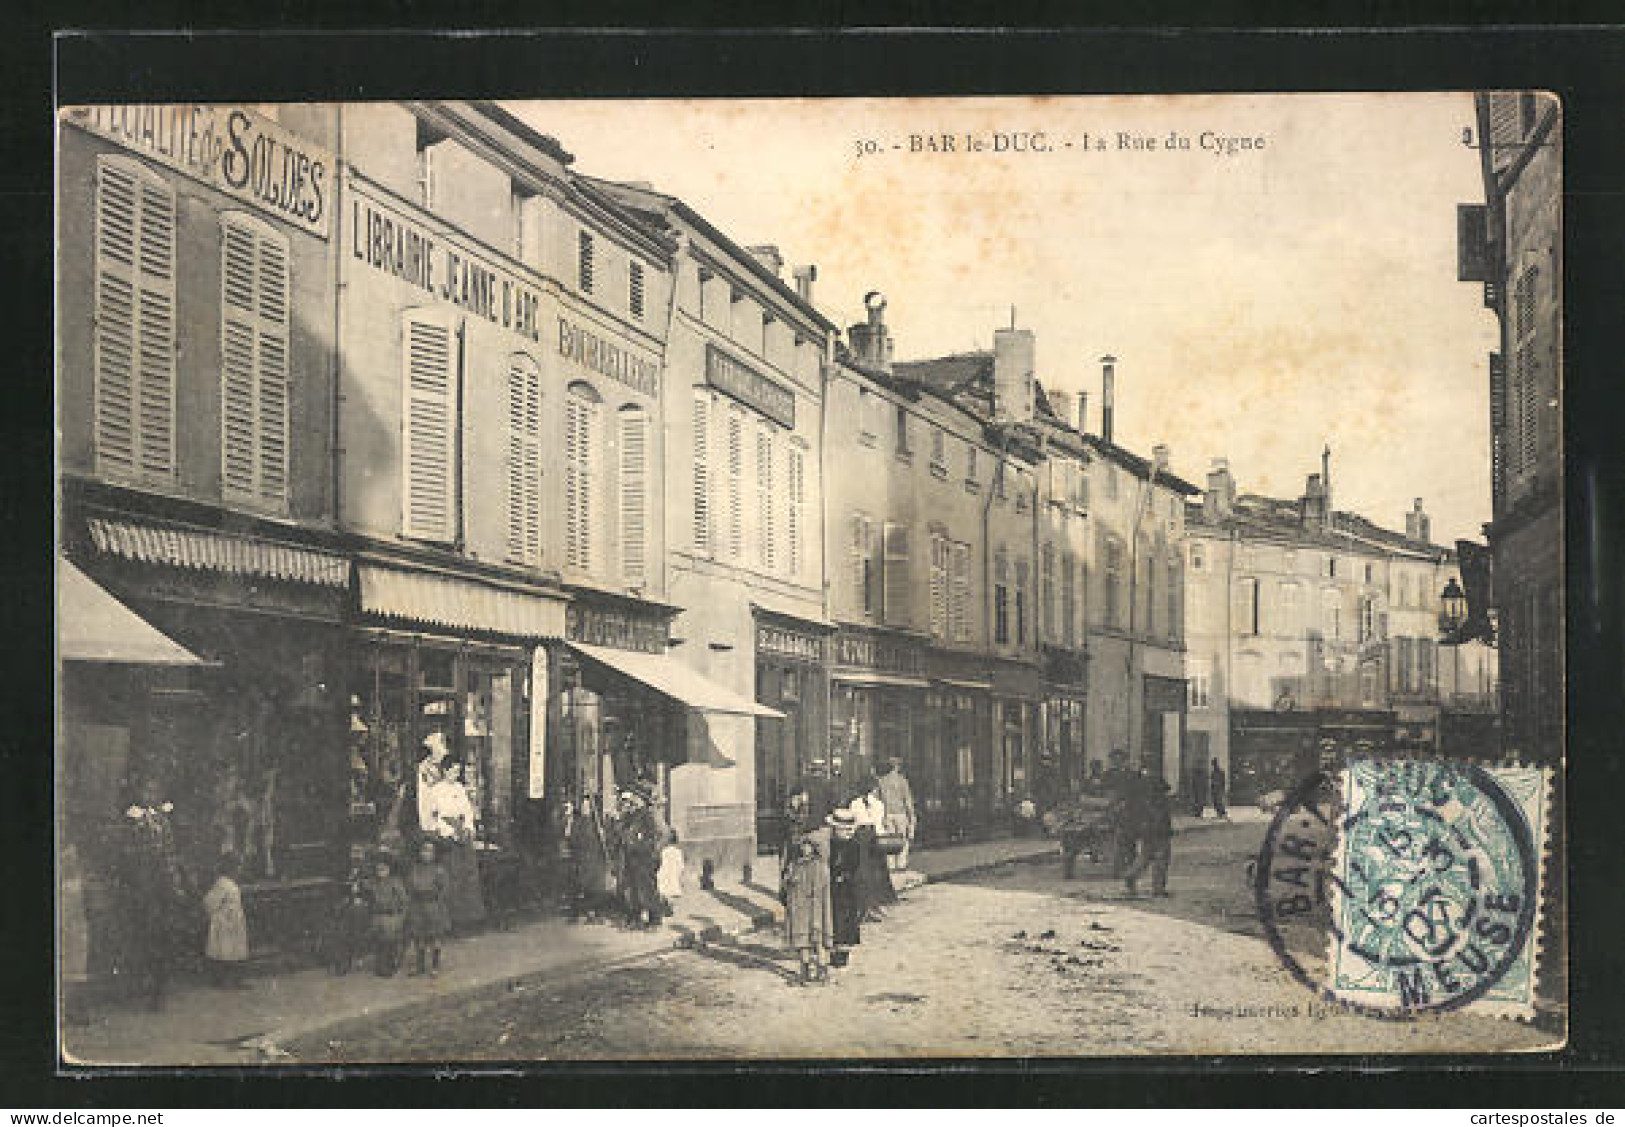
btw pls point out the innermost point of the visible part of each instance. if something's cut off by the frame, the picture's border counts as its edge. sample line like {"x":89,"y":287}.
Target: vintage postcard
{"x":855,"y":579}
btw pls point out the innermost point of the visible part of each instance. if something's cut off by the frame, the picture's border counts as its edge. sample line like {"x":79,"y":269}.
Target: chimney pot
{"x":1108,"y":395}
{"x":805,"y":276}
{"x":768,"y":255}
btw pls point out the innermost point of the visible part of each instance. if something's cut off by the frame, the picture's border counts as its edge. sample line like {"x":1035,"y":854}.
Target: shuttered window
{"x":635,"y":290}
{"x":959,"y":597}
{"x":941,"y":553}
{"x":736,"y":484}
{"x":860,"y":560}
{"x":254,"y":361}
{"x":1022,"y":569}
{"x":1113,"y":610}
{"x":429,"y":376}
{"x":896,"y":588}
{"x":584,"y":261}
{"x":1069,"y":600}
{"x":634,"y":493}
{"x":580,"y":475}
{"x":1001,"y":598}
{"x":524,"y":460}
{"x":702,"y":474}
{"x":796,"y":515}
{"x":1526,"y":379}
{"x":767,"y":548}
{"x":1047,"y":586}
{"x":1244,"y":606}
{"x":135,"y":322}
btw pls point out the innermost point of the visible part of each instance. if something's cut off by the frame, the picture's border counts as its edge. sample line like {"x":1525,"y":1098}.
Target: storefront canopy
{"x":665,"y":674}
{"x":458,"y":604}
{"x":94,"y":626}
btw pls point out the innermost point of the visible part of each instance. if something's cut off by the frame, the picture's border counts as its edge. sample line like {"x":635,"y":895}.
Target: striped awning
{"x":201,"y":550}
{"x":666,"y":675}
{"x":459,"y":604}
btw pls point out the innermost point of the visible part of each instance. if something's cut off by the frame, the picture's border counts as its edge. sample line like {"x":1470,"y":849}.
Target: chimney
{"x":1219,"y":502}
{"x":1108,"y":394}
{"x":768,"y":255}
{"x":1312,"y":505}
{"x":1417,"y":523}
{"x":1083,"y":412}
{"x":871,"y":342}
{"x":1326,"y":479}
{"x":805,"y":277}
{"x":1159,"y":457}
{"x":1060,"y":402}
{"x":1013,"y":352}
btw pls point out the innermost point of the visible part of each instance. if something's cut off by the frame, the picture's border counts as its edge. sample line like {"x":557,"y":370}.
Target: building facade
{"x":195,"y":391}
{"x":1312,"y":630}
{"x":1513,"y":245}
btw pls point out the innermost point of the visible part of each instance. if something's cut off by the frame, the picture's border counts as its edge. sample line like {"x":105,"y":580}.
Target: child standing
{"x":386,"y":897}
{"x":669,"y":880}
{"x":227,"y":946}
{"x":428,"y":919}
{"x":807,"y":916}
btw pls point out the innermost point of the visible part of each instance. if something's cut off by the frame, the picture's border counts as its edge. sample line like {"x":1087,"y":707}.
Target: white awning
{"x":665,"y":674}
{"x":204,"y":550}
{"x":881,"y":680}
{"x":94,"y":626}
{"x":443,"y":600}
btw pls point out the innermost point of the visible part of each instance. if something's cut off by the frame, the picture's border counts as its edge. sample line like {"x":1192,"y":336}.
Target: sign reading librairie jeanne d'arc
{"x":750,"y":387}
{"x":231,"y":148}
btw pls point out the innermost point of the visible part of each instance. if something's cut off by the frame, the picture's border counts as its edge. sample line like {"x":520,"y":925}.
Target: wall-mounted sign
{"x":596,"y":354}
{"x":388,"y":241}
{"x":777,"y":641}
{"x":865,"y":651}
{"x":601,"y":626}
{"x":230,"y":148}
{"x":750,"y":387}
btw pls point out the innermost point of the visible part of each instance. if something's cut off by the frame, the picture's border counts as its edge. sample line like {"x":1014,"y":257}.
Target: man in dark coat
{"x":155,"y":893}
{"x":643,"y":835}
{"x":845,"y":885}
{"x":1217,"y":784}
{"x":1156,"y":839}
{"x":1126,"y":789}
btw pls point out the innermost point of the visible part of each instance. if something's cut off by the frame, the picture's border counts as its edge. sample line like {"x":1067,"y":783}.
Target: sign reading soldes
{"x":232,"y":148}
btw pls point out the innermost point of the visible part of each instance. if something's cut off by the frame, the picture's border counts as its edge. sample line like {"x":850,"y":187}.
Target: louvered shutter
{"x":135,"y":322}
{"x":858,"y":561}
{"x":254,"y":361}
{"x":1046,"y":583}
{"x":939,"y":586}
{"x":736,"y":472}
{"x":895,"y":586}
{"x":702,"y":474}
{"x":579,"y":418}
{"x":634,"y":493}
{"x":429,"y":410}
{"x":524,"y":460}
{"x":959,"y":615}
{"x":767,"y":553}
{"x":795,"y":524}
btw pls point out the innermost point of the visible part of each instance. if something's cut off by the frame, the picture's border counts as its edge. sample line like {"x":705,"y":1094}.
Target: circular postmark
{"x":1398,"y":887}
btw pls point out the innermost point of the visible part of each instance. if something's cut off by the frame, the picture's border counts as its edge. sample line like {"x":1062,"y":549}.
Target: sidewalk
{"x":204,"y":1025}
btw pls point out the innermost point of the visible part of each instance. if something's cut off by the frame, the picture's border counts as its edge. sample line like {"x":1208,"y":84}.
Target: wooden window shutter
{"x":524,"y":460}
{"x":1046,"y":582}
{"x":796,"y":519}
{"x":858,"y":560}
{"x":254,"y":380}
{"x":736,"y":484}
{"x":766,"y":526}
{"x":702,"y":474}
{"x":580,"y":421}
{"x":634,"y":493}
{"x":430,"y":363}
{"x":134,"y":336}
{"x":959,"y":615}
{"x":895,"y":585}
{"x":939,"y":586}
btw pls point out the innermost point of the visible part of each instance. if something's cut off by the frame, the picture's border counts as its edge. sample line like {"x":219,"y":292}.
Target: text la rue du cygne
{"x":1040,"y":141}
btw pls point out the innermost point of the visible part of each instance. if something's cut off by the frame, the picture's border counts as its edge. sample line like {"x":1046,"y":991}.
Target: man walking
{"x":898,"y":799}
{"x":1156,"y":840}
{"x":1126,"y":790}
{"x":1216,"y":785}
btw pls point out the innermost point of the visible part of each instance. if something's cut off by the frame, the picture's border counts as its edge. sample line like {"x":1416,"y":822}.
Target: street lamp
{"x":1454,"y":601}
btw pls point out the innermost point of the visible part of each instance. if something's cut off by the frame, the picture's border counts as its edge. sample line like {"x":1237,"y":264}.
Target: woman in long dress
{"x":869,"y":814}
{"x":454,"y":816}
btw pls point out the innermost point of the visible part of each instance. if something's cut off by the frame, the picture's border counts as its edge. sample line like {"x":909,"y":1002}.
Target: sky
{"x":1261,"y":303}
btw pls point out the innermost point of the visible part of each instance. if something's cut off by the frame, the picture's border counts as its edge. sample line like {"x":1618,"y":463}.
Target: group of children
{"x":394,"y":916}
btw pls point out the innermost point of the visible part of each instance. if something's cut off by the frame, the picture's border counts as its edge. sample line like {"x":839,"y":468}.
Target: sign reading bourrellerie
{"x":230,"y":148}
{"x":750,"y":387}
{"x":596,"y":354}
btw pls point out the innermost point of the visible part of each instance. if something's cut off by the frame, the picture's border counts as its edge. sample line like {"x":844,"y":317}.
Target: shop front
{"x":1062,"y":759}
{"x":792,"y":677}
{"x":246,"y":744}
{"x":877,"y":691}
{"x":954,"y":779}
{"x":1018,"y":695}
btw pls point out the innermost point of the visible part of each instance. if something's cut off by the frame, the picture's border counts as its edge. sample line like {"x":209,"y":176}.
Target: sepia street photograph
{"x":854,"y":579}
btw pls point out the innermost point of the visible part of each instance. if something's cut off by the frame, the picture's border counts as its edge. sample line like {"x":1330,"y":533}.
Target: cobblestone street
{"x":1013,"y":961}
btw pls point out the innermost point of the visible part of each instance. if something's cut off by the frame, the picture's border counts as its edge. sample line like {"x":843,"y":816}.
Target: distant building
{"x":1513,"y":245}
{"x":1311,"y":628}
